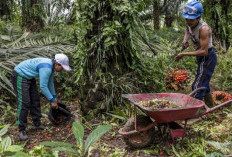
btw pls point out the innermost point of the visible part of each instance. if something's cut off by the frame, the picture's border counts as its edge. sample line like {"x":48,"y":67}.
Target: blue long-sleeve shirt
{"x":42,"y":68}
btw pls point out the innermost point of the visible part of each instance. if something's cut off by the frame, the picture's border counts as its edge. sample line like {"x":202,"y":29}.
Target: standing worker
{"x":201,"y":35}
{"x":27,"y":96}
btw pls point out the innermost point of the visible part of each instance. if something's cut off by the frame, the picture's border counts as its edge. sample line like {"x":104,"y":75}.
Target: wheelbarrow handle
{"x":196,"y":90}
{"x":208,"y":110}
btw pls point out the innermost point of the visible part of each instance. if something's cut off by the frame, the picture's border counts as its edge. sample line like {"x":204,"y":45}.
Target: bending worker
{"x":201,"y":35}
{"x":25,"y":88}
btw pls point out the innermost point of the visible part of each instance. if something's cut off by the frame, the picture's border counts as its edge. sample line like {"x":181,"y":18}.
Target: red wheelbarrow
{"x":139,"y":130}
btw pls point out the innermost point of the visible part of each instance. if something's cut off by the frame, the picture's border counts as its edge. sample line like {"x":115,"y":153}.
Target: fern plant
{"x":82,"y":148}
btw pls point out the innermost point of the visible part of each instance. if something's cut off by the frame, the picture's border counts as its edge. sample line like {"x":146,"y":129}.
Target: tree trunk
{"x":225,"y":10}
{"x":32,"y":12}
{"x":168,"y":20}
{"x":220,"y":27}
{"x":156,"y":14}
{"x":104,"y":62}
{"x":5,"y":9}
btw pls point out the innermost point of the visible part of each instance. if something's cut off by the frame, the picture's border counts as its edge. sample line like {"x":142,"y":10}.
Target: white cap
{"x":62,"y":59}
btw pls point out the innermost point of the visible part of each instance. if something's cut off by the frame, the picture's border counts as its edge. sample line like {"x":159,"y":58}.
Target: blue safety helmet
{"x":193,"y":10}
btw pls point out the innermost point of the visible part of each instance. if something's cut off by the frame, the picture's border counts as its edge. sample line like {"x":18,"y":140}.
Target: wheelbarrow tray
{"x":188,"y":106}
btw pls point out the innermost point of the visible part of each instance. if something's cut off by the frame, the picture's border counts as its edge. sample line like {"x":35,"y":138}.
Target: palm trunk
{"x":168,"y":20}
{"x":225,"y":4}
{"x":156,"y":14}
{"x":5,"y":9}
{"x":32,"y":12}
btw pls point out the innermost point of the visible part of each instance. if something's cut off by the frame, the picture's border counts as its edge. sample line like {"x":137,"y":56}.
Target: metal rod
{"x":196,"y":90}
{"x":135,"y":117}
{"x":218,"y":106}
{"x":182,"y":141}
{"x":151,"y":48}
{"x":137,"y":131}
{"x":208,"y":110}
{"x":169,"y":66}
{"x":129,"y":110}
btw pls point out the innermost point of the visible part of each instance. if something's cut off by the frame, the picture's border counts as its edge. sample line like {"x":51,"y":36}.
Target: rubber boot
{"x":40,"y":127}
{"x":208,"y":99}
{"x":23,"y":135}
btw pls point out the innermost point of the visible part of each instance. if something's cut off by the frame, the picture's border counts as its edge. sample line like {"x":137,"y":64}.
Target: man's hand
{"x":56,"y":100}
{"x":179,"y":56}
{"x":185,"y":45}
{"x":54,"y":104}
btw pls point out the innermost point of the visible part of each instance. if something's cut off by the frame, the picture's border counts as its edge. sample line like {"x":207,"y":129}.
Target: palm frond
{"x":224,"y":147}
{"x":57,"y":11}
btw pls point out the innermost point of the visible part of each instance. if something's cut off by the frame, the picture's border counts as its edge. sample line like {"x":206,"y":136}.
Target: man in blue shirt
{"x":25,"y":88}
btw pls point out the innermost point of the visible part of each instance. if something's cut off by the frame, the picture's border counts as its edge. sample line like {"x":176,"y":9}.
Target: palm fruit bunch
{"x":176,"y":79}
{"x":220,"y":97}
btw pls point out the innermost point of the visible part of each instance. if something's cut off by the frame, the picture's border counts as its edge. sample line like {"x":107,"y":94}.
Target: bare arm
{"x":186,"y":36}
{"x":204,"y":42}
{"x":185,"y":43}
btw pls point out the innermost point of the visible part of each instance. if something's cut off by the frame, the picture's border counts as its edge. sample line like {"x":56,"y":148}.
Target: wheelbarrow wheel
{"x":142,"y":139}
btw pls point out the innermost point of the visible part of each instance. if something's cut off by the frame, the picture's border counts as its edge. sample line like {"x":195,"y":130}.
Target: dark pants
{"x":206,"y":66}
{"x":27,"y":98}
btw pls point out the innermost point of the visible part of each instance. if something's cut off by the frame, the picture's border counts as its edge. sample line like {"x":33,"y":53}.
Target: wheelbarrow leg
{"x":185,"y":125}
{"x":135,"y":117}
{"x":177,"y":131}
{"x":171,"y":132}
{"x":130,"y":110}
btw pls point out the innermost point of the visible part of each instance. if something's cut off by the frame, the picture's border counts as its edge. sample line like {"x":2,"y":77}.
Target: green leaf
{"x":117,"y":23}
{"x":4,"y":130}
{"x":3,"y":107}
{"x":175,"y":152}
{"x":78,"y":131}
{"x":20,"y":154}
{"x":66,"y":149}
{"x":15,"y":148}
{"x":116,"y":116}
{"x":57,"y":144}
{"x":6,"y":142}
{"x":6,"y":37}
{"x":107,"y":39}
{"x":96,"y":135}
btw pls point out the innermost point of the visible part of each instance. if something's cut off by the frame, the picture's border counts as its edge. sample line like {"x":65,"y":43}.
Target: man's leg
{"x":208,"y":99}
{"x":199,"y":78}
{"x":205,"y":70}
{"x":210,"y":69}
{"x":35,"y":109}
{"x":21,"y":87}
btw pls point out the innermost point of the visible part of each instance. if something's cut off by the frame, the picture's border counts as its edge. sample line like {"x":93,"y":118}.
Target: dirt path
{"x":111,"y":144}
